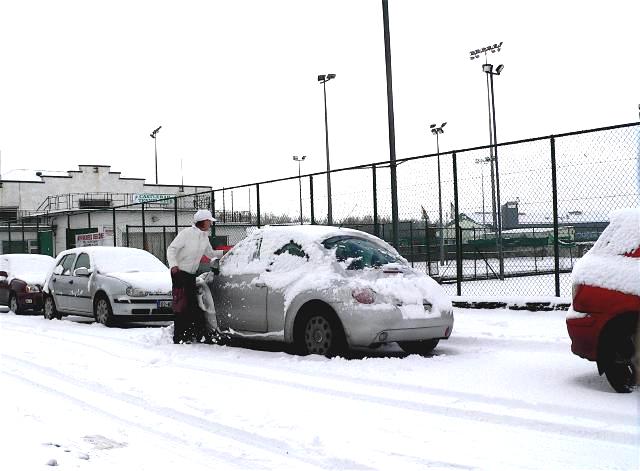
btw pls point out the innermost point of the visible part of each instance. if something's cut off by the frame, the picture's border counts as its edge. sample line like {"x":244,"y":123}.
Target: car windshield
{"x":360,"y":253}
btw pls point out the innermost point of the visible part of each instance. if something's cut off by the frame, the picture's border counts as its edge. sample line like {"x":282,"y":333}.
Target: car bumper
{"x":373,"y":324}
{"x":32,"y":301}
{"x":583,"y":332}
{"x":142,"y":309}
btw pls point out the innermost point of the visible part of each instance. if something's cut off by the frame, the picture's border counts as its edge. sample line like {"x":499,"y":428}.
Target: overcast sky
{"x":234,"y":83}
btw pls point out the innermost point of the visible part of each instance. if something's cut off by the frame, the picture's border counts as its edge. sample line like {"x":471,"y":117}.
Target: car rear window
{"x":360,"y":253}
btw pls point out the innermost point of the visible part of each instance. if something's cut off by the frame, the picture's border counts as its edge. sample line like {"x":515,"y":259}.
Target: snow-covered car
{"x":21,"y":279}
{"x":109,"y":284}
{"x":326,"y":289}
{"x":603,"y":319}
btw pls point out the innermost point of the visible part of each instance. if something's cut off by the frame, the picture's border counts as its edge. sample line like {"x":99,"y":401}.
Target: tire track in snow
{"x":270,"y":445}
{"x":452,"y":397}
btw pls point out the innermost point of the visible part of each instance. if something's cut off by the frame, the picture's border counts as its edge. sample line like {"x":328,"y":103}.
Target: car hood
{"x":154,"y":282}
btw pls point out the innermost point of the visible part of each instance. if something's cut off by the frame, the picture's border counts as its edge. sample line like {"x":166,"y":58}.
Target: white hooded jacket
{"x":187,"y":249}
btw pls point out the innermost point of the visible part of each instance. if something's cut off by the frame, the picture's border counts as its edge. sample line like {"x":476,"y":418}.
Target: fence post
{"x":411,"y":242}
{"x":114,"y":228}
{"x":164,"y":243}
{"x":257,"y":203}
{"x":458,"y":233}
{"x":38,"y":233}
{"x":175,"y":214}
{"x":88,"y":219}
{"x":23,"y":242}
{"x":556,"y":247}
{"x":213,"y":213}
{"x":224,"y":208}
{"x":426,"y":243}
{"x":144,"y":231}
{"x":376,"y":229}
{"x":313,"y":214}
{"x":127,"y":229}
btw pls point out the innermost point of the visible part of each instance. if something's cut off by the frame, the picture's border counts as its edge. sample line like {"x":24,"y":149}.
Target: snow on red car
{"x":603,"y":319}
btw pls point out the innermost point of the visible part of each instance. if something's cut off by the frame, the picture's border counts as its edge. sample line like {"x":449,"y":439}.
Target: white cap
{"x":203,"y":215}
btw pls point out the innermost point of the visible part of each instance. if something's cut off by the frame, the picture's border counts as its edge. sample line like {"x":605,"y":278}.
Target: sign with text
{"x":94,"y":239}
{"x":152,"y":198}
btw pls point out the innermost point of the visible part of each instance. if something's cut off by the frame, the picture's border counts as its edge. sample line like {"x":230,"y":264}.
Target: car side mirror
{"x":81,"y":271}
{"x":214,"y":264}
{"x":4,"y":274}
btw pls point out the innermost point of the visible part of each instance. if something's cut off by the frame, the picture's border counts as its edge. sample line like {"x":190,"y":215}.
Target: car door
{"x":275,"y":297}
{"x":80,"y":300}
{"x":62,"y":282}
{"x":4,"y":285}
{"x":241,"y":301}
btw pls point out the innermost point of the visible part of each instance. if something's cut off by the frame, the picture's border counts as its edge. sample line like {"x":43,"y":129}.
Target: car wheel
{"x":50,"y":310}
{"x":620,"y":367}
{"x":102,"y":311}
{"x":419,"y":347}
{"x":13,"y":304}
{"x":322,"y":334}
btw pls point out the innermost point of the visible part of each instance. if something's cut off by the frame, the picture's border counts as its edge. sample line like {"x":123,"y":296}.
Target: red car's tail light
{"x":634,"y":253}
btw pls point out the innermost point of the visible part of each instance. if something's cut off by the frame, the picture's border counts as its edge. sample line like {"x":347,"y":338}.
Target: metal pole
{"x":498,"y":213}
{"x":23,"y":243}
{"x":213,"y":212}
{"x":440,"y":204}
{"x":257,"y":203}
{"x":155,"y":146}
{"x":457,"y":221}
{"x":175,"y":214}
{"x":313,"y":215}
{"x":426,"y":242}
{"x":114,"y":227}
{"x":411,"y":242}
{"x":326,"y":136}
{"x":491,"y":158}
{"x":164,"y":244}
{"x":89,"y":219}
{"x":144,"y":231}
{"x":38,"y":233}
{"x":224,"y":207}
{"x":127,"y":229}
{"x":556,"y":245}
{"x":300,"y":190}
{"x":376,"y":229}
{"x":392,"y":137}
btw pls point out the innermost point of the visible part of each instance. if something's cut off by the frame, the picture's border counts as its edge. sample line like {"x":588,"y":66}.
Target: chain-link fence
{"x":504,"y":221}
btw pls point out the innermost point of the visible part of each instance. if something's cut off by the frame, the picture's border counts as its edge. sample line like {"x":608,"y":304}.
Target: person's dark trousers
{"x":188,"y":325}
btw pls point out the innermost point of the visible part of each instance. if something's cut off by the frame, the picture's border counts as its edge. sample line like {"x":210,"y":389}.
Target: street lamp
{"x":323,"y":79}
{"x":300,"y":160}
{"x":436,"y":131}
{"x":155,"y":146}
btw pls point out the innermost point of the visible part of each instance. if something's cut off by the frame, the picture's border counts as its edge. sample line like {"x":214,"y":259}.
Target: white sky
{"x":233,"y":83}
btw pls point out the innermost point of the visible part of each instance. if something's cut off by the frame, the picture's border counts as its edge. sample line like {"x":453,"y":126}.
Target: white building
{"x":44,"y":211}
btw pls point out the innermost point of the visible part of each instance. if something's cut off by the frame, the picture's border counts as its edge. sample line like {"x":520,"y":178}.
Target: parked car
{"x":109,"y":284}
{"x":21,"y":279}
{"x":326,"y":289}
{"x":603,"y":319}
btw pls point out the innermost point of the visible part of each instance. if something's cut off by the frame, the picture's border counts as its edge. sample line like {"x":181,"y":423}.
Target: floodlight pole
{"x":323,"y":79}
{"x":155,"y":147}
{"x":435,"y":130}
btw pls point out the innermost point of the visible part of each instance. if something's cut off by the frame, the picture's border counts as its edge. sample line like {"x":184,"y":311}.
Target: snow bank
{"x":606,"y":265}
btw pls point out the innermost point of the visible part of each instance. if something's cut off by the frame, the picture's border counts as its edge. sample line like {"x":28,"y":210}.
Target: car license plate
{"x":164,"y":304}
{"x":28,"y":301}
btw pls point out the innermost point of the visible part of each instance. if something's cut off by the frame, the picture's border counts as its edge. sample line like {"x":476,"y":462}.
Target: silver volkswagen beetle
{"x":325,"y":289}
{"x":109,"y":284}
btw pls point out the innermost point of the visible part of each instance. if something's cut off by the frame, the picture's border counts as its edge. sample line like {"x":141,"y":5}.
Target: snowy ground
{"x":504,"y":392}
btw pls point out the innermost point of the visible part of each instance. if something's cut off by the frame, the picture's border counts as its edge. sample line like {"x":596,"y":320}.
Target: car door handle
{"x":259,"y":284}
{"x":70,"y":282}
{"x":55,"y":279}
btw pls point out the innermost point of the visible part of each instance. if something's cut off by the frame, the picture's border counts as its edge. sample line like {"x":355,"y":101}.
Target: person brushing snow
{"x":184,"y":255}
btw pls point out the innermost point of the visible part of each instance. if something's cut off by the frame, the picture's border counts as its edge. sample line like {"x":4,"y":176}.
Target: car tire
{"x":50,"y":311}
{"x":419,"y":347}
{"x":619,"y":366}
{"x":321,"y":333}
{"x":14,"y":305}
{"x":102,"y":311}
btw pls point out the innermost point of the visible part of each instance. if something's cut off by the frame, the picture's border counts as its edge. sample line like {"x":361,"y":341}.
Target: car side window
{"x":67,"y":263}
{"x":293,"y":249}
{"x":83,"y":261}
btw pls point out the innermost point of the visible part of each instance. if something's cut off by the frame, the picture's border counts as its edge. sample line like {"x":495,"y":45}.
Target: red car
{"x":603,"y":319}
{"x":21,"y":280}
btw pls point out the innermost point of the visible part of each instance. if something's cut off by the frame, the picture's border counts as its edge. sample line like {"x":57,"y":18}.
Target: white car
{"x":109,"y":284}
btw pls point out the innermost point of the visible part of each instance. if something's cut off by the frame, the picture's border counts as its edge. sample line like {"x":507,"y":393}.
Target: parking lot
{"x":504,"y":392}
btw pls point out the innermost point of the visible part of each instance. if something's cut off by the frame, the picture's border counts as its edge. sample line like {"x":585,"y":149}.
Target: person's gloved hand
{"x":174,"y":270}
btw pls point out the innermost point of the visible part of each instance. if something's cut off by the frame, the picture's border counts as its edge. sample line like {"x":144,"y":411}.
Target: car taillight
{"x":634,"y":253}
{"x":364,"y":295}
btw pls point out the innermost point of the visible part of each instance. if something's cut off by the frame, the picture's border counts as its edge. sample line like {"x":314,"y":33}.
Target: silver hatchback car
{"x":326,"y":289}
{"x":109,"y":284}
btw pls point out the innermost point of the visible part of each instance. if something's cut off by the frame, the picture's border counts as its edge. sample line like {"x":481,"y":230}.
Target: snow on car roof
{"x":120,"y":259}
{"x":622,"y":235}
